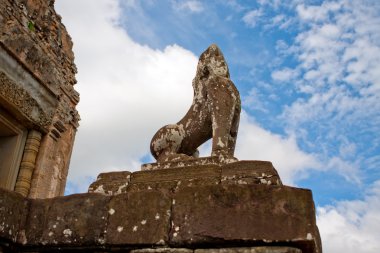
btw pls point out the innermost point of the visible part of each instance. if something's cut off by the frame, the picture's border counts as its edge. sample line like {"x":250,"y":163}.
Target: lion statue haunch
{"x":214,"y":113}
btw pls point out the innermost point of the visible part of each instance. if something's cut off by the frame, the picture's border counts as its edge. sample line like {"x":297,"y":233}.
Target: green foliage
{"x":31,"y":26}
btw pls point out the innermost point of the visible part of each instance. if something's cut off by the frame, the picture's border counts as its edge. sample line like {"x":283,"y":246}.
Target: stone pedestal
{"x":192,"y":173}
{"x":240,"y":207}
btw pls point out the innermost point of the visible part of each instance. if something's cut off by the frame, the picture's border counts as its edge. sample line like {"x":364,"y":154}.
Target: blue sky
{"x":308,"y":73}
{"x":256,"y":39}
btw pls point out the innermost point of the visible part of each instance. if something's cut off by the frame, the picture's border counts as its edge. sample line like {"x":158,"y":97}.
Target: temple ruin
{"x":38,"y":119}
{"x":180,"y":204}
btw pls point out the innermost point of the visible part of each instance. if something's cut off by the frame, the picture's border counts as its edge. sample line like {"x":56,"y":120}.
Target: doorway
{"x":12,"y":143}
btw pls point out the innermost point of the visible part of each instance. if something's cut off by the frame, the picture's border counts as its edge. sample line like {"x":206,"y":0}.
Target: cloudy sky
{"x":309,"y":77}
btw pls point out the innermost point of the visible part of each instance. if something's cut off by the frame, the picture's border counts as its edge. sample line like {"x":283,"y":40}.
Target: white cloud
{"x":284,"y":75}
{"x":255,"y":100}
{"x":347,"y":169}
{"x":191,"y":5}
{"x":256,"y":143}
{"x":351,"y":226}
{"x":252,"y":17}
{"x":273,"y":3}
{"x":281,"y":21}
{"x":130,"y":3}
{"x":338,"y":53}
{"x":341,"y":43}
{"x":234,"y":4}
{"x":128,"y":91}
{"x":316,"y":12}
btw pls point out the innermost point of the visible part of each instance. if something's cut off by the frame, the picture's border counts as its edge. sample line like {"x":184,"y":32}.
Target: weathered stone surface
{"x":27,"y":106}
{"x":256,"y":214}
{"x":139,"y":218}
{"x":210,"y":160}
{"x":163,"y":250}
{"x":165,"y":186}
{"x":32,"y":34}
{"x":79,"y":219}
{"x":52,"y":165}
{"x":13,"y":211}
{"x":36,"y":221}
{"x":214,"y":113}
{"x":37,"y":74}
{"x":173,"y":179}
{"x":208,"y":216}
{"x":111,"y":183}
{"x":29,"y":21}
{"x":189,"y":173}
{"x":250,"y":172}
{"x":251,"y":250}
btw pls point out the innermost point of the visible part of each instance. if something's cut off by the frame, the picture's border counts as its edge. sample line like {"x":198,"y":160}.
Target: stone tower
{"x":38,"y":119}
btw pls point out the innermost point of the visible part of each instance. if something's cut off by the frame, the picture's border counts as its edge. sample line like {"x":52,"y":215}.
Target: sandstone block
{"x":189,"y":173}
{"x":139,"y":218}
{"x":165,"y":186}
{"x":210,"y":160}
{"x":36,"y":221}
{"x":251,"y":250}
{"x":173,"y":179}
{"x":255,"y":214}
{"x":13,"y":211}
{"x":250,"y":172}
{"x":163,"y":250}
{"x":79,"y":219}
{"x":111,"y":183}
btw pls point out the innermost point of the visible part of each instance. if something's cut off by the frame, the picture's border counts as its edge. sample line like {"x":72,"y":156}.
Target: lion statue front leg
{"x":225,"y":112}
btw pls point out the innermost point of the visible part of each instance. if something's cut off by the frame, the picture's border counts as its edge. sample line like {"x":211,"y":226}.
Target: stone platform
{"x":187,"y":174}
{"x":212,"y":209}
{"x":190,"y":162}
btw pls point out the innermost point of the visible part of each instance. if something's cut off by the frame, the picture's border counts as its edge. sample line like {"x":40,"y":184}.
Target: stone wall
{"x":193,"y":218}
{"x":181,"y":211}
{"x":37,"y":74}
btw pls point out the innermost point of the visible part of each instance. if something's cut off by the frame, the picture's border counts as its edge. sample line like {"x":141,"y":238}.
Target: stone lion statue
{"x":214,"y":113}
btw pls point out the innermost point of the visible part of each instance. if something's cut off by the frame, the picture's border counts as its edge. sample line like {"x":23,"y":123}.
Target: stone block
{"x":163,"y":250}
{"x":256,"y":214}
{"x":174,"y":178}
{"x":178,"y":173}
{"x":250,"y":172}
{"x":193,"y":172}
{"x":141,"y":217}
{"x":36,"y":221}
{"x":13,"y":211}
{"x":262,"y":249}
{"x":75,"y":220}
{"x":111,"y":183}
{"x":209,"y":160}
